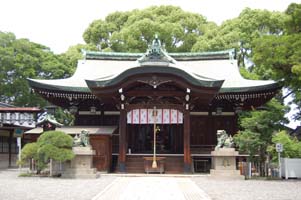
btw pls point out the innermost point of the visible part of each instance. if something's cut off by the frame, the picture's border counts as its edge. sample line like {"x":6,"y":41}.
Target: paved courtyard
{"x":113,"y":187}
{"x":150,"y":188}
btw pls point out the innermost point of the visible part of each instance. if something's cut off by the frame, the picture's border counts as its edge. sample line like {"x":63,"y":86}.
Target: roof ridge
{"x":223,"y":54}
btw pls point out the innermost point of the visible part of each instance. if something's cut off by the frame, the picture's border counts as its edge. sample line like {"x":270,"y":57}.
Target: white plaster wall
{"x":291,"y":167}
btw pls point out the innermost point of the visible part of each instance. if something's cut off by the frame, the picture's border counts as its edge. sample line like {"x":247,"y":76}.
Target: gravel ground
{"x":13,"y":187}
{"x":250,"y":189}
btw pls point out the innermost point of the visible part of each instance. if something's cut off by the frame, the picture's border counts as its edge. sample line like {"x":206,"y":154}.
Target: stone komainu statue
{"x":223,"y":140}
{"x":81,"y":140}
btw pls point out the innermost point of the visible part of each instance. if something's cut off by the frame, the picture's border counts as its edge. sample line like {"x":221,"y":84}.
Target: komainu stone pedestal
{"x":224,"y":164}
{"x":81,"y":165}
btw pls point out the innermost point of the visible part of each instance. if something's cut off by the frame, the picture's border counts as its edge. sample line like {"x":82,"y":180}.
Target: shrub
{"x":54,"y":145}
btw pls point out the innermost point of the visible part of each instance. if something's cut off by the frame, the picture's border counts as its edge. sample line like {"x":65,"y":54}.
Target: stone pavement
{"x":151,"y":188}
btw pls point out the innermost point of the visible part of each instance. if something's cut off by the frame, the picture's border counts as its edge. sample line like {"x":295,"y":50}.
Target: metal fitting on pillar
{"x":187,"y":98}
{"x":122,"y":98}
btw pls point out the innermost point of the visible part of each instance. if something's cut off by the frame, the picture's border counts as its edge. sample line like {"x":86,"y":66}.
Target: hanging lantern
{"x":73,"y":109}
{"x":92,"y":109}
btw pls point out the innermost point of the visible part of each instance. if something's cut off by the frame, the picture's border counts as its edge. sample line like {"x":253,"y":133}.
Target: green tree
{"x":29,"y":151}
{"x":133,"y":31}
{"x":217,"y":38}
{"x":278,"y":57}
{"x":240,"y":32}
{"x":21,"y":59}
{"x":257,"y":130}
{"x":54,"y":145}
{"x":64,"y":116}
{"x":75,"y":53}
{"x":291,"y":146}
{"x":249,"y":142}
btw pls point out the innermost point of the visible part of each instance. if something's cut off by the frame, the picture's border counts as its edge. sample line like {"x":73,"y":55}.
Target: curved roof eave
{"x":258,"y":88}
{"x":39,"y":84}
{"x":206,"y":82}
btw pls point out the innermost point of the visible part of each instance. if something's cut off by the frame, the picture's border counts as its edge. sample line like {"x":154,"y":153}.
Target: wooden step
{"x":173,"y":165}
{"x":134,"y":164}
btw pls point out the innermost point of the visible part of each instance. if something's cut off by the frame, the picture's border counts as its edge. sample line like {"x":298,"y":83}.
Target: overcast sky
{"x":59,"y":24}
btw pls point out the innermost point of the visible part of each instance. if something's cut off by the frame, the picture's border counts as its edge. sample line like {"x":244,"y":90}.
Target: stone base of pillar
{"x":187,"y":168}
{"x":121,"y":167}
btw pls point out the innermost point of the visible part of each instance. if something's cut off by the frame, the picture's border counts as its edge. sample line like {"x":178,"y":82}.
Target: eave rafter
{"x":63,"y":94}
{"x":64,"y":99}
{"x":246,"y":100}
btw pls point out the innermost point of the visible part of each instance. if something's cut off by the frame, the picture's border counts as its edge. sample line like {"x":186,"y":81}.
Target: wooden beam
{"x":139,"y":93}
{"x":158,"y":106}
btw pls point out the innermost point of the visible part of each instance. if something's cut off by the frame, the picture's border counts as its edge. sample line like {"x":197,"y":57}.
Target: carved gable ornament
{"x":154,"y":81}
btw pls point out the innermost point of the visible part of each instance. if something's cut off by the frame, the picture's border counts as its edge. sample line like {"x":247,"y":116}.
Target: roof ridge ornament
{"x":156,"y":53}
{"x":155,"y":48}
{"x":48,"y":122}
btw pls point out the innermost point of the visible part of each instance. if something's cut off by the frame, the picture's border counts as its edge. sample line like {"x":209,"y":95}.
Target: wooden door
{"x":199,"y":130}
{"x":102,"y":146}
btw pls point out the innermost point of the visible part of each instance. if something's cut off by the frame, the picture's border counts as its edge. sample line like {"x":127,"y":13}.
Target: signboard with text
{"x":279,"y":147}
{"x":19,"y":132}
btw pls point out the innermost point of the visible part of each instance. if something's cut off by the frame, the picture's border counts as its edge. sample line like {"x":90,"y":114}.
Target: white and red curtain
{"x":145,"y":116}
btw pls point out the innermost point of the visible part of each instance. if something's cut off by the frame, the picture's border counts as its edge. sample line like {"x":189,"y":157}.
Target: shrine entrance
{"x":169,"y":138}
{"x":169,"y":131}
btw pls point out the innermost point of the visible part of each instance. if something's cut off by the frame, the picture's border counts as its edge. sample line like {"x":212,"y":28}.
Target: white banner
{"x":145,"y":116}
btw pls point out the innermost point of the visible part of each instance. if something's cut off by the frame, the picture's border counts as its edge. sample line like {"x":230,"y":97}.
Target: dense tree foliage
{"x":275,"y":56}
{"x":133,"y":31}
{"x":257,"y":129}
{"x":75,"y":53}
{"x":29,"y":151}
{"x":21,"y":59}
{"x":54,"y":145}
{"x":240,"y":32}
{"x":291,"y":146}
{"x":278,"y":57}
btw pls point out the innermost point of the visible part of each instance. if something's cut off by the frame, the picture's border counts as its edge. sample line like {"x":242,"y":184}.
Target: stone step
{"x":80,"y":176}
{"x":80,"y":171}
{"x":224,"y":172}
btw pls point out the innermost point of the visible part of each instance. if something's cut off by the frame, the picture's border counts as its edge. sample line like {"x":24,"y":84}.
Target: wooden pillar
{"x":122,"y":140}
{"x":211,"y":133}
{"x":187,"y":155}
{"x":235,"y":123}
{"x":102,"y":116}
{"x":10,"y":140}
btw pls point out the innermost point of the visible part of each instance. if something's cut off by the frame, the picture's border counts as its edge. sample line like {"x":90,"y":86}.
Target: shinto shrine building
{"x":189,"y":96}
